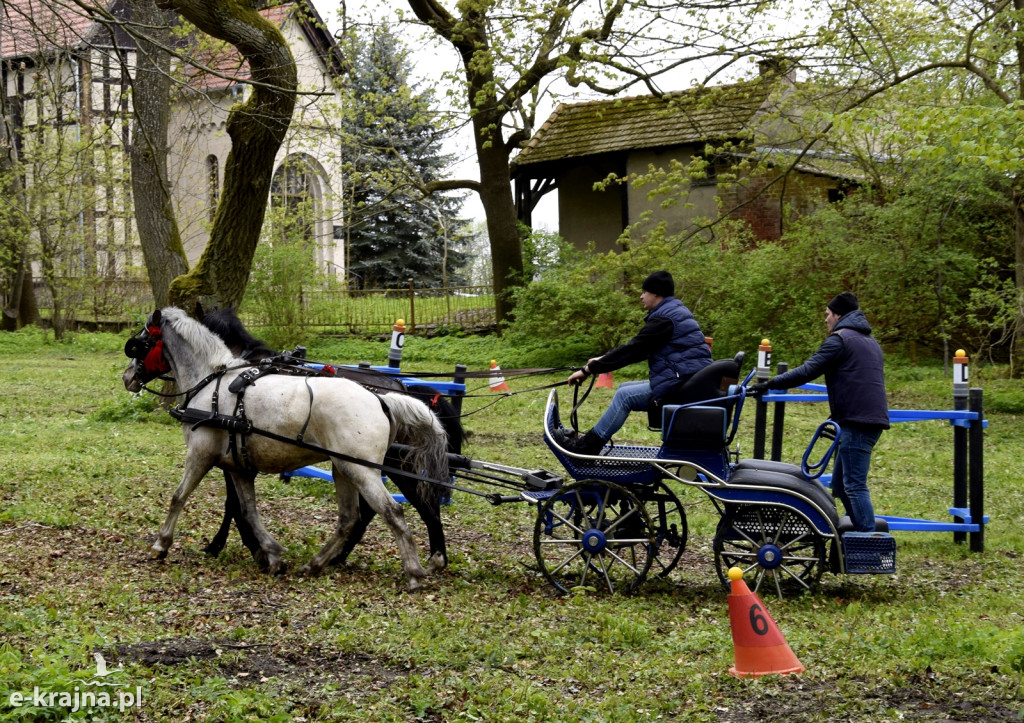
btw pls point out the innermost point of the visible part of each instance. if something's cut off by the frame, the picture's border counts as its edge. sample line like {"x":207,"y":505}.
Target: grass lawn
{"x":86,"y":474}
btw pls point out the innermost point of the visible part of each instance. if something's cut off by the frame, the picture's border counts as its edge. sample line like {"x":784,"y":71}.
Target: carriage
{"x":618,"y":519}
{"x":615,"y":521}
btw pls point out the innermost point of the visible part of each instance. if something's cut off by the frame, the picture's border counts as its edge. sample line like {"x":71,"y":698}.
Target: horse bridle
{"x":148,"y":354}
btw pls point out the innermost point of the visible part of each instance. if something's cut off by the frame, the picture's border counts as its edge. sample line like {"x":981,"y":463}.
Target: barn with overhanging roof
{"x":617,"y":163}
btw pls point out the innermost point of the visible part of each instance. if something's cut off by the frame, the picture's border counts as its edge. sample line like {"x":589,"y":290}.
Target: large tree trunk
{"x":257,"y":128}
{"x":159,"y":237}
{"x":1017,"y":349}
{"x":468,"y":35}
{"x":502,"y":226}
{"x":20,"y":308}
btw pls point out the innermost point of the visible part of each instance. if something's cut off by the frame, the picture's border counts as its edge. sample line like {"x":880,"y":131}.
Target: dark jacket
{"x":671,"y":341}
{"x":851,"y":361}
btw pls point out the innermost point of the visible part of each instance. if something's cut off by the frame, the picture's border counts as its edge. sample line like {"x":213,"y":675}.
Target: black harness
{"x":239,"y":426}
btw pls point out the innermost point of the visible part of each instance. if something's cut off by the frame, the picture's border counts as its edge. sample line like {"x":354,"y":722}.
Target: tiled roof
{"x":627,"y":124}
{"x":31,"y":26}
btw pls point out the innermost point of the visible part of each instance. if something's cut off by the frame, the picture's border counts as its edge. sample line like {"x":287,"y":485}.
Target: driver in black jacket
{"x":851,"y":361}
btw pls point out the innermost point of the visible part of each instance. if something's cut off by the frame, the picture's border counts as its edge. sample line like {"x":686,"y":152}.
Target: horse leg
{"x":430,"y":513}
{"x":194,"y":472}
{"x":265,"y":549}
{"x":366,"y":515}
{"x":232,"y":511}
{"x":346,"y":497}
{"x":378,"y":497}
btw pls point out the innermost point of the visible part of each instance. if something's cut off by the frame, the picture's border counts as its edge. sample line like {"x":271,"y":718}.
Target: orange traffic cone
{"x":497,"y":381}
{"x":605,"y":380}
{"x":759,"y":646}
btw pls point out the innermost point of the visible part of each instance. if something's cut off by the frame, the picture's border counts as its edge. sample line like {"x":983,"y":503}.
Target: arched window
{"x":293,"y":191}
{"x":213,"y":185}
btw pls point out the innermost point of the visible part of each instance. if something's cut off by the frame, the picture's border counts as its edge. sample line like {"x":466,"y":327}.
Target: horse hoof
{"x":437,"y":561}
{"x":414,"y":585}
{"x":309,"y":570}
{"x":157,"y":553}
{"x":277,"y":567}
{"x":213,"y":549}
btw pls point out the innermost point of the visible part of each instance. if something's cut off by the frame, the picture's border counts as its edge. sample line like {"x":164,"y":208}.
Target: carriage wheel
{"x":596,"y":535}
{"x":668,"y":518}
{"x":786,"y":554}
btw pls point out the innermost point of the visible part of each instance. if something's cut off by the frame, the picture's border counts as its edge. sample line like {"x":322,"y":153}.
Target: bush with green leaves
{"x":932,"y":269}
{"x":284,"y":263}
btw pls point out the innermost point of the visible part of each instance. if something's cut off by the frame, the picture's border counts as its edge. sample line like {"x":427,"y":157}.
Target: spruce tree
{"x":392,"y":148}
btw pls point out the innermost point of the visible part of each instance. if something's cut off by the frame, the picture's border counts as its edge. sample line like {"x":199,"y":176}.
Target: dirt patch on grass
{"x":246,"y":663}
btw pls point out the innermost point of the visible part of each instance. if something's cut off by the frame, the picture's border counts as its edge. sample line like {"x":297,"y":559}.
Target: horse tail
{"x":419,"y":428}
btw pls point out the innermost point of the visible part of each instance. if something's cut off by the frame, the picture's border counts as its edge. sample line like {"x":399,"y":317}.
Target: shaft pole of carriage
{"x":779,"y":419}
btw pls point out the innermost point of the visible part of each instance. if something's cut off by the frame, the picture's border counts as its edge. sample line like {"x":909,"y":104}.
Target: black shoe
{"x":589,"y":443}
{"x":563,"y":437}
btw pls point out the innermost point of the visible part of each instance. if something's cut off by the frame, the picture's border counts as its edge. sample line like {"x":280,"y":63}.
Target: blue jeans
{"x":850,"y":475}
{"x":629,"y":397}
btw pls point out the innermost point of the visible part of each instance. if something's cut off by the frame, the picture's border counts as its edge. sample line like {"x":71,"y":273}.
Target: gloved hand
{"x":757,"y":390}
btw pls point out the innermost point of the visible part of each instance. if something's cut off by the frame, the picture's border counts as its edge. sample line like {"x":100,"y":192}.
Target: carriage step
{"x":535,"y":497}
{"x":869,"y":552}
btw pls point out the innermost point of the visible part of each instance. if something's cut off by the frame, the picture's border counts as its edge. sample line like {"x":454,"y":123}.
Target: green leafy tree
{"x":512,"y":51}
{"x":392,"y":149}
{"x":957,"y":69}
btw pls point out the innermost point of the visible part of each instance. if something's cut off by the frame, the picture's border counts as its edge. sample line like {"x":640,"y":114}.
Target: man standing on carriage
{"x":851,"y":361}
{"x":674,"y":346}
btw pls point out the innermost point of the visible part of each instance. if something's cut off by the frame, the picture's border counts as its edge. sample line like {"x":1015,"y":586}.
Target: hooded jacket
{"x":851,"y":361}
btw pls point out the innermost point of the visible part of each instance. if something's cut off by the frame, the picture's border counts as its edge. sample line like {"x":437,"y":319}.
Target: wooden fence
{"x":121,"y":303}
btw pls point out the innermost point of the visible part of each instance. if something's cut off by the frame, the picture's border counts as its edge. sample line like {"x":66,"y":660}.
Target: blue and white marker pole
{"x":764,"y":363}
{"x":397,"y":342}
{"x":960,"y":439}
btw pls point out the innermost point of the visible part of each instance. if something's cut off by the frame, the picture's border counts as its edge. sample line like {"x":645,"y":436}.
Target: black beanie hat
{"x":843,"y":304}
{"x":660,"y":283}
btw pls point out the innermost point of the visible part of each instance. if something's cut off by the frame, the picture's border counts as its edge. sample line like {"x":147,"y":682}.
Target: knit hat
{"x":660,"y":283}
{"x":843,"y":304}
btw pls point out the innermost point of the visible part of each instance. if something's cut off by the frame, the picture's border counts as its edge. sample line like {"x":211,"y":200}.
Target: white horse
{"x":341,"y":420}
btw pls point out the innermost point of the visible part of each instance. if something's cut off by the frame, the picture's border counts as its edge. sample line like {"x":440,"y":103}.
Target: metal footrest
{"x":869,"y":552}
{"x":536,"y":496}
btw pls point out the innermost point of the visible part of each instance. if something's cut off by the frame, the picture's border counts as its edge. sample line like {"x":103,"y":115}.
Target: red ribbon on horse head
{"x":155,"y":362}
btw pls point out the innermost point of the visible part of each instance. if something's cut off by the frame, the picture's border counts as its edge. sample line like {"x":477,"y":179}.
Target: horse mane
{"x":204,"y":343}
{"x":226,"y":324}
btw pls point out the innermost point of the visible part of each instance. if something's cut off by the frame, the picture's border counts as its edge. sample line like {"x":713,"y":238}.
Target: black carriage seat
{"x":768,"y":465}
{"x":754,"y":466}
{"x":709,"y":384}
{"x":812,"y":490}
{"x":697,"y":427}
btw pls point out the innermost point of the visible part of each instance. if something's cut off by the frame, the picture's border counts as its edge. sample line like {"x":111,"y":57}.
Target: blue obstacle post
{"x":968,"y":510}
{"x":779,"y":420}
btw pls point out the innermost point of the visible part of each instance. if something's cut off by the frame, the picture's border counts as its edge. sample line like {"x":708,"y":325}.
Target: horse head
{"x":171,"y":341}
{"x":147,"y":354}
